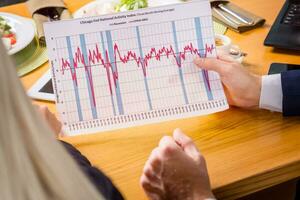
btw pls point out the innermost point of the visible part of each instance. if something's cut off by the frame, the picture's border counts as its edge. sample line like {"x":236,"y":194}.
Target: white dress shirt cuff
{"x":271,"y":93}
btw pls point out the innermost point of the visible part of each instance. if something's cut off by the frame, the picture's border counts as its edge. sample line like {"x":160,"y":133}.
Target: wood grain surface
{"x":246,"y":150}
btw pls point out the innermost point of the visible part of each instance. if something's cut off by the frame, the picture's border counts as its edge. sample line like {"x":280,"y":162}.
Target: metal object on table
{"x":227,"y":18}
{"x":235,"y":17}
{"x":53,"y":14}
{"x":44,"y":11}
{"x":238,"y":16}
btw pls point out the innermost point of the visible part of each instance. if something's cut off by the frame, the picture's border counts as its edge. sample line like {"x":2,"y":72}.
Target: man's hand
{"x":50,"y":118}
{"x":241,"y":87}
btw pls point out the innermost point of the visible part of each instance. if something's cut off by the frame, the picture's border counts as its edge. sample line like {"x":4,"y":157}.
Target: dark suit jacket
{"x":290,"y":81}
{"x":8,"y":2}
{"x":101,"y":182}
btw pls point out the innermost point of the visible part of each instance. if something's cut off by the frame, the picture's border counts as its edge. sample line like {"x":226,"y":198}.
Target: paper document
{"x":133,"y":68}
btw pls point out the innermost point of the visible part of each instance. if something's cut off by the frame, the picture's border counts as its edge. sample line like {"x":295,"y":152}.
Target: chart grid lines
{"x":114,"y":71}
{"x":202,"y":54}
{"x":130,"y":69}
{"x":142,"y":63}
{"x":75,"y":83}
{"x":108,"y":74}
{"x":89,"y":77}
{"x":178,"y":59}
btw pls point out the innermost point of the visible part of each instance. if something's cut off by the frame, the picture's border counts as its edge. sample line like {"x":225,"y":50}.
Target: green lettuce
{"x":131,"y":5}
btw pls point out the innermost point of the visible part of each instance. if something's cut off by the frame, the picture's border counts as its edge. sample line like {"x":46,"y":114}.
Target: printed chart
{"x":134,"y":68}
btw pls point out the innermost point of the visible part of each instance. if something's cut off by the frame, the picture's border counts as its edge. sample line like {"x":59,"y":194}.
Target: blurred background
{"x":8,"y":2}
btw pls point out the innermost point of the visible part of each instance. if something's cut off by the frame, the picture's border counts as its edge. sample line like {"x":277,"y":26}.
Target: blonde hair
{"x":33,"y":165}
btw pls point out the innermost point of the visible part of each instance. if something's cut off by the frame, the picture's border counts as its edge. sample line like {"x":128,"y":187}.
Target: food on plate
{"x":102,"y":7}
{"x":126,"y":5}
{"x":98,"y":8}
{"x":8,"y":36}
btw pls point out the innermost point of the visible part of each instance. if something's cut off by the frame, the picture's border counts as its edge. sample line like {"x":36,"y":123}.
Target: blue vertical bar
{"x":179,"y":62}
{"x":142,"y":57}
{"x":106,"y":61}
{"x":113,"y":62}
{"x":88,"y":75}
{"x":201,"y":49}
{"x":74,"y":83}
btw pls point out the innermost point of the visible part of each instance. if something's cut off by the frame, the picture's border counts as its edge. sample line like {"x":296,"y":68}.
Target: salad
{"x":126,"y":5}
{"x":6,"y":33}
{"x":102,"y":7}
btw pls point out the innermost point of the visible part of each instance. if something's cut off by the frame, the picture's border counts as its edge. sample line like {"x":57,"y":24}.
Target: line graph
{"x":132,"y":74}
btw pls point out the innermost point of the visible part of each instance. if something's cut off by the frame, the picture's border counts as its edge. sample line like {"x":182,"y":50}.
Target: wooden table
{"x":246,"y":151}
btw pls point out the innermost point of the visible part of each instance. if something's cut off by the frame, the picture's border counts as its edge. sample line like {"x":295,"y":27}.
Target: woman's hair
{"x":33,"y":165}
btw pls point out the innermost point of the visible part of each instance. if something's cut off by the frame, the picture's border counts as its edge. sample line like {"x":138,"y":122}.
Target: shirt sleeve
{"x":271,"y":93}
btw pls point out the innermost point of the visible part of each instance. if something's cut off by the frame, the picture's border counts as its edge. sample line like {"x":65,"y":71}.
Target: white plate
{"x":103,"y":7}
{"x":23,"y":28}
{"x":94,"y":8}
{"x":153,"y":3}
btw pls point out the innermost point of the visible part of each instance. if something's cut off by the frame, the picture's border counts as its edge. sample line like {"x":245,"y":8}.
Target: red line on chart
{"x":94,"y":57}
